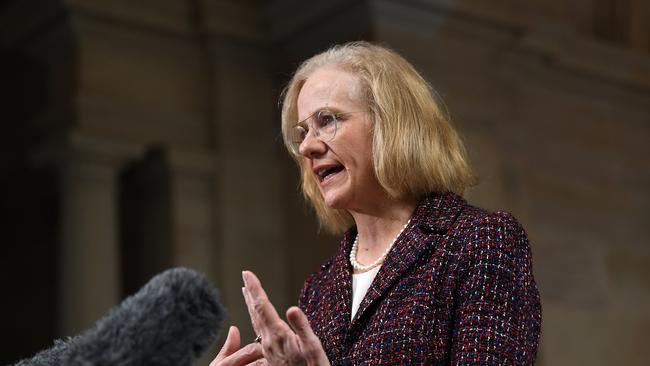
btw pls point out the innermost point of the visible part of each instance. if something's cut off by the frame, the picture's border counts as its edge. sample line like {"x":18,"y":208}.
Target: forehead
{"x":329,"y":87}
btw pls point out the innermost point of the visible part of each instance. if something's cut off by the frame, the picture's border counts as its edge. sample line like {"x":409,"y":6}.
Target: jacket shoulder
{"x":497,"y":303}
{"x":499,"y":229}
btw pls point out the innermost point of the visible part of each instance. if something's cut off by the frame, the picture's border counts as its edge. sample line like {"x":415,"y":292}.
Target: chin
{"x":334,"y":200}
{"x":332,"y":203}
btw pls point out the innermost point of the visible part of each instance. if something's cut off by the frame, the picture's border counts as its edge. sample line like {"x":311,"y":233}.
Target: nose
{"x":312,"y":146}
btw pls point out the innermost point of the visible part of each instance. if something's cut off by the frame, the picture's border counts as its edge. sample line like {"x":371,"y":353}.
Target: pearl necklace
{"x":364,"y":268}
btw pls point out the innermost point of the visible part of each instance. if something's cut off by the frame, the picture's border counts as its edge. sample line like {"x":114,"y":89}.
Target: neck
{"x":378,"y":228}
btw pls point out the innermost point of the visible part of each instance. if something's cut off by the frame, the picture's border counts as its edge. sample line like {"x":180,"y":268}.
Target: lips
{"x":324,"y":172}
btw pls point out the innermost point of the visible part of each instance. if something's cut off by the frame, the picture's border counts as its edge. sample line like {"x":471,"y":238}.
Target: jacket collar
{"x":437,"y":211}
{"x":433,"y":215}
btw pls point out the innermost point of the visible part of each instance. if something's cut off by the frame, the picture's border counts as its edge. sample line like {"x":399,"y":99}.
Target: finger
{"x":244,"y":356}
{"x":259,"y":297}
{"x":264,"y":312}
{"x":231,"y":345}
{"x":300,"y":324}
{"x":260,"y":362}
{"x":251,"y":313}
{"x":311,"y":346}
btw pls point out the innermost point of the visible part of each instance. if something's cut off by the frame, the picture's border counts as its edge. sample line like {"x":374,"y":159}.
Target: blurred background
{"x":140,"y":135}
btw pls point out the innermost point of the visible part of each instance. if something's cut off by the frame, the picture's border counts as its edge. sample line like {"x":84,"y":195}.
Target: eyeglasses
{"x":324,"y":123}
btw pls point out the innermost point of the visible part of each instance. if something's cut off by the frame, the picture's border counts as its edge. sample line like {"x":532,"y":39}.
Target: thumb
{"x":230,"y":346}
{"x":312,"y":348}
{"x":298,"y":321}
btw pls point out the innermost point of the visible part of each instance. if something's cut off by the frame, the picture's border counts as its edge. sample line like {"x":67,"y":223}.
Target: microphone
{"x":168,"y":322}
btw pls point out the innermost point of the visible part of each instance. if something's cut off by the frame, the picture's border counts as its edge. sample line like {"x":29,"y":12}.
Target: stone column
{"x":89,"y":249}
{"x":193,"y":182}
{"x":250,"y":180}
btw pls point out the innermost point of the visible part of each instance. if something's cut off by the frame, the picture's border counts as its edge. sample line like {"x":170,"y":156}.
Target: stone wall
{"x":167,"y":111}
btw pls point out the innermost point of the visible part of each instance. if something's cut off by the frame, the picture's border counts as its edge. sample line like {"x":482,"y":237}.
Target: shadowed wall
{"x":138,"y":136}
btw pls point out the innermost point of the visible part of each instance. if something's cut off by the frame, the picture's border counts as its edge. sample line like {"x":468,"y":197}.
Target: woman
{"x":421,"y":277}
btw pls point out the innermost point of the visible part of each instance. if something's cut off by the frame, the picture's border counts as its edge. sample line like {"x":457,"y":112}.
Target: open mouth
{"x":327,"y":172}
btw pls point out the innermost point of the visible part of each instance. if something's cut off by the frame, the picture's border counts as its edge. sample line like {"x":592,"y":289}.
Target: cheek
{"x":362,"y":168}
{"x":357,"y":159}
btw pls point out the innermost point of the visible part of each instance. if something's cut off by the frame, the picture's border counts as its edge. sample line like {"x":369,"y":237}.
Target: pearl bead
{"x":355,"y":247}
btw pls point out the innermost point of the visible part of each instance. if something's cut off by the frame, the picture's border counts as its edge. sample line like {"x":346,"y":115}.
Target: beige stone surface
{"x":553,"y":107}
{"x":90,"y":262}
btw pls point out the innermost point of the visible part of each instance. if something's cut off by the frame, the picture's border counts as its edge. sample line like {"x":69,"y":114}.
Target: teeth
{"x":324,"y":173}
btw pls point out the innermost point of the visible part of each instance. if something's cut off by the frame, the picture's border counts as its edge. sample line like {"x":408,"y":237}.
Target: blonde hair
{"x":415,"y":148}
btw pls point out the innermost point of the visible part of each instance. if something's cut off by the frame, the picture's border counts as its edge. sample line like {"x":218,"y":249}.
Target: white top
{"x":360,"y":284}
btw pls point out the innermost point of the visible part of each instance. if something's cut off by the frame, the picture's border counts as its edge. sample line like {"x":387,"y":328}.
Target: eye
{"x":325,"y":119}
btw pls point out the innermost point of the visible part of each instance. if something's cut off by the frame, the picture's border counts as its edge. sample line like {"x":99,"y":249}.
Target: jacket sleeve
{"x":498,"y":312}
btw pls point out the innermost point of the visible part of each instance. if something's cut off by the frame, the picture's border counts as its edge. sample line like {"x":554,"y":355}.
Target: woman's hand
{"x":232,"y":355}
{"x":282,"y":344}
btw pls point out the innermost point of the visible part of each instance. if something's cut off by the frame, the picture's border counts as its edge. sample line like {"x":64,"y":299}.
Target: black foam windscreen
{"x":170,"y":321}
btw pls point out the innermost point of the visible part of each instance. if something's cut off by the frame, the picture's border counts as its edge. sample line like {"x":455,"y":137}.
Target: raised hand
{"x":282,"y":344}
{"x":232,"y":355}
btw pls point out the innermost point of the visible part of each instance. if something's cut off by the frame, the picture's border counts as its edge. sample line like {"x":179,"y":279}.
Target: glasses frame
{"x":294,"y":144}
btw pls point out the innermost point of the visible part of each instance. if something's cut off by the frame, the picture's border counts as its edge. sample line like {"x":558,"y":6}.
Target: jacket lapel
{"x":433,"y":216}
{"x":339,"y":299}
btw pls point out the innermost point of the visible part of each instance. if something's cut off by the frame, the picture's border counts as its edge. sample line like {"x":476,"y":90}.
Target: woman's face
{"x":342,"y":166}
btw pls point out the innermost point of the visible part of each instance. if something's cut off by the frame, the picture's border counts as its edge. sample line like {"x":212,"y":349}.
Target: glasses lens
{"x":326,"y":123}
{"x":297,"y":135}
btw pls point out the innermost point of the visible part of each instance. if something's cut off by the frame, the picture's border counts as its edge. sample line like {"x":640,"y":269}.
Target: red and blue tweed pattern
{"x":456,"y":288}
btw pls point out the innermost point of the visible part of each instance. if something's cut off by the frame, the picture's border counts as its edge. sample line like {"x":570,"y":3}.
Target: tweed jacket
{"x":456,"y":288}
